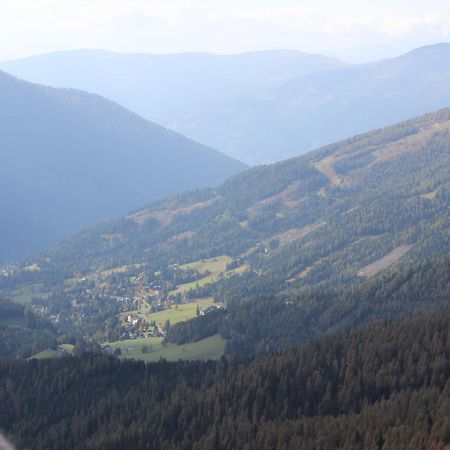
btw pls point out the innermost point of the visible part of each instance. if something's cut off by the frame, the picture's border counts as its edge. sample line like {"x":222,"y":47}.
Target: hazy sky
{"x":356,"y":29}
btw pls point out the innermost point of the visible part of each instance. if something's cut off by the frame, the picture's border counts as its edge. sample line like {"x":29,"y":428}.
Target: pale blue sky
{"x":346,"y":28}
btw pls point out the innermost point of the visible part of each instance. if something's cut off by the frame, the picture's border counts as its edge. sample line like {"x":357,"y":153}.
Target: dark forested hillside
{"x":378,"y":387}
{"x":278,"y":242}
{"x":71,"y":159}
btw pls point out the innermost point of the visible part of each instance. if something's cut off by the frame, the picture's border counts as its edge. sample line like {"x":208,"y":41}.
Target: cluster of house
{"x":136,"y":319}
{"x":209,"y":309}
{"x":137,"y":326}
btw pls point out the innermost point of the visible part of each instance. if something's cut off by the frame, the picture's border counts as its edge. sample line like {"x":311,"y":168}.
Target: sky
{"x":357,"y":31}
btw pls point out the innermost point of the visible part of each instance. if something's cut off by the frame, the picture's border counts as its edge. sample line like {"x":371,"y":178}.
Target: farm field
{"x":209,"y":348}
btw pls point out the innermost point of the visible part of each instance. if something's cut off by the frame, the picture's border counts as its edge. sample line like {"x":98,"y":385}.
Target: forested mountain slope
{"x":71,"y":159}
{"x":288,"y":240}
{"x":270,"y":323}
{"x":280,"y":104}
{"x":338,"y":214}
{"x":379,"y":387}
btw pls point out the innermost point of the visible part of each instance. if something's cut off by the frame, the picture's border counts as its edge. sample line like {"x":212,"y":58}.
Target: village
{"x":127,"y":302}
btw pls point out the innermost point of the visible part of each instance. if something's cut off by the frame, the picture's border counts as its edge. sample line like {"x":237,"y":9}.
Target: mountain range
{"x":257,"y":107}
{"x":71,"y":159}
{"x":295,"y":305}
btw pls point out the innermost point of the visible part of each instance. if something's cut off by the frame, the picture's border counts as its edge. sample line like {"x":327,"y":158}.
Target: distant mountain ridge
{"x":179,"y":91}
{"x":258,"y":107}
{"x":71,"y":159}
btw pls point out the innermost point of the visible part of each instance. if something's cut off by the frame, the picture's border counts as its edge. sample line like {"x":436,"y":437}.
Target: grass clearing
{"x":182,"y":288}
{"x":209,"y":348}
{"x":326,"y":167}
{"x":49,"y":353}
{"x":294,"y":234}
{"x":430,"y":195}
{"x":384,"y":262}
{"x":46,"y":354}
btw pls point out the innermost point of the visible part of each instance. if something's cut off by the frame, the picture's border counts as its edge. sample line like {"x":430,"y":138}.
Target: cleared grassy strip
{"x":430,"y":195}
{"x":46,"y":354}
{"x":199,"y":283}
{"x":386,"y":261}
{"x":325,"y":166}
{"x":210,"y":348}
{"x":49,"y":353}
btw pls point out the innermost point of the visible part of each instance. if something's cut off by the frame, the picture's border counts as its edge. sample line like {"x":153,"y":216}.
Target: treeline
{"x":383,"y":386}
{"x":23,"y":333}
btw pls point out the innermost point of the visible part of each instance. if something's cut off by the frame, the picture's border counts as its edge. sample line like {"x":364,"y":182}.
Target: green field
{"x":46,"y":354}
{"x":210,"y":348}
{"x":199,"y":283}
{"x":213,"y":265}
{"x":185,"y":311}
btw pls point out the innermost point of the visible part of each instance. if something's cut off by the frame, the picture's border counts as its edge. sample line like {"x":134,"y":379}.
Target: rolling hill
{"x":293,"y":240}
{"x":281,"y":103}
{"x":71,"y":159}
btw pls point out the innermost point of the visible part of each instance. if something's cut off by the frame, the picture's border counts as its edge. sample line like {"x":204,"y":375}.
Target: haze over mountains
{"x":257,"y":107}
{"x":179,"y":91}
{"x":71,"y":159}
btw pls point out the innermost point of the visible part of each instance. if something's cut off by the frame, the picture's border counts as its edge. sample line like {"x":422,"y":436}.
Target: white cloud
{"x":35,"y":26}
